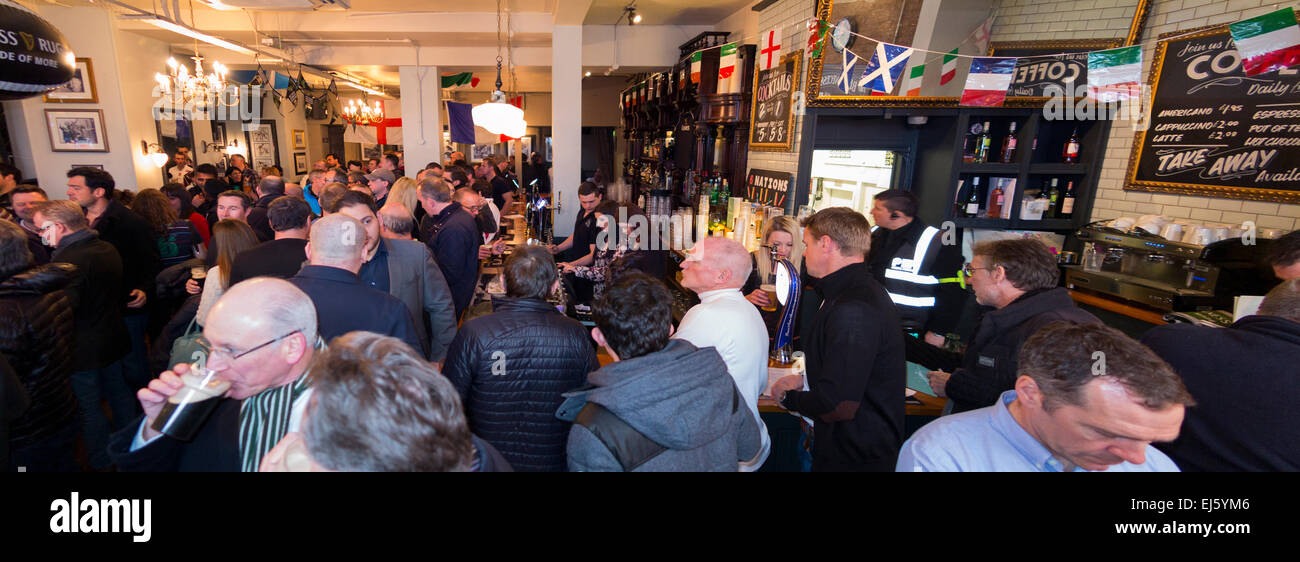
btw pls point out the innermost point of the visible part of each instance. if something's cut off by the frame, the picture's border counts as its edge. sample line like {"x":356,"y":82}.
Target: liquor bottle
{"x":973,"y":203}
{"x":717,"y":151}
{"x":1053,"y":197}
{"x":1070,"y":154}
{"x":996,"y":199}
{"x":1009,"y":145}
{"x":957,"y":199}
{"x":969,"y":145}
{"x":982,"y":144}
{"x":1067,"y":205}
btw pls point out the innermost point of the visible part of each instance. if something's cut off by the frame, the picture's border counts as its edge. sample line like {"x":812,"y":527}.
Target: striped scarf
{"x":264,"y":420}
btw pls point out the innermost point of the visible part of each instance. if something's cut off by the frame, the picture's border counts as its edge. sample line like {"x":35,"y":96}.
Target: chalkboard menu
{"x":768,"y":187}
{"x":772,"y":125}
{"x":1213,"y":130}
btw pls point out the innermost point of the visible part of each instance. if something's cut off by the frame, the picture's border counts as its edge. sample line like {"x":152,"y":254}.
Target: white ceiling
{"x":666,"y":12}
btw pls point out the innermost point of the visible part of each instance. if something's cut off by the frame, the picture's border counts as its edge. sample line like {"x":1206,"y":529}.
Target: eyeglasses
{"x":234,"y":355}
{"x":969,"y":269}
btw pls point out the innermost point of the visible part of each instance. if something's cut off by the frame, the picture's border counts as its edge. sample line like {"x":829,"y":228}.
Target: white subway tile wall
{"x":792,"y":16}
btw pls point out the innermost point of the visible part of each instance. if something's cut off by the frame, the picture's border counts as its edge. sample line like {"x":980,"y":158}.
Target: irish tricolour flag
{"x":696,"y":59}
{"x":988,"y":80}
{"x":727,"y":60}
{"x":1115,"y":74}
{"x":1268,"y":42}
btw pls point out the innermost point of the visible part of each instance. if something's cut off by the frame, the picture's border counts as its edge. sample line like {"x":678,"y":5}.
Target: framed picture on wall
{"x":299,"y":139}
{"x":76,"y":130}
{"x":300,"y":162}
{"x":263,"y":147}
{"x":481,"y":151}
{"x":81,"y":89}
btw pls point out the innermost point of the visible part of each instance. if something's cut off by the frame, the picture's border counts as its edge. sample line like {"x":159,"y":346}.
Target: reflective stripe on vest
{"x":911,"y":277}
{"x":911,"y":301}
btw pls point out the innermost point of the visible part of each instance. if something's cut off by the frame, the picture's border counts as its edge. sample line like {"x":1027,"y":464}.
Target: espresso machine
{"x":1168,"y":275}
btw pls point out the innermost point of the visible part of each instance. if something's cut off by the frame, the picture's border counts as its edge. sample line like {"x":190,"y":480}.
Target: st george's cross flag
{"x":1115,"y":74}
{"x":913,"y":87}
{"x":988,"y":80}
{"x":769,"y":48}
{"x":884,"y":68}
{"x":1268,"y":42}
{"x":949,"y":67}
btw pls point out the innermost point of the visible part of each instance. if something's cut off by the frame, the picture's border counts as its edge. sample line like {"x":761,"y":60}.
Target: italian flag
{"x":452,"y":80}
{"x":914,"y":80}
{"x":696,"y":58}
{"x":1115,"y":74}
{"x":1268,"y":42}
{"x":727,"y":60}
{"x":949,"y":67}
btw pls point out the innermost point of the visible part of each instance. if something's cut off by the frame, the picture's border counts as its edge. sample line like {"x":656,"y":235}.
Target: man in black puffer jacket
{"x":512,"y":366}
{"x":36,"y":325}
{"x":1017,"y":277}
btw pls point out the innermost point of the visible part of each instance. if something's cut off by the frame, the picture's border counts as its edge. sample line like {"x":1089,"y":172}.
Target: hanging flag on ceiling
{"x":727,"y":60}
{"x":1268,"y":42}
{"x":845,"y":82}
{"x":460,"y":118}
{"x":884,"y":68}
{"x":769,"y":48}
{"x":461,"y":79}
{"x":949,"y":67}
{"x":982,"y":34}
{"x":1115,"y":74}
{"x":697,"y":59}
{"x":914,"y":80}
{"x":988,"y":81}
{"x":386,"y":131}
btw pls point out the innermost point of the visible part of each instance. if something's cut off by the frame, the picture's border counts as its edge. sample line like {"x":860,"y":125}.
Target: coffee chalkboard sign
{"x":1213,"y":130}
{"x":772,"y":123}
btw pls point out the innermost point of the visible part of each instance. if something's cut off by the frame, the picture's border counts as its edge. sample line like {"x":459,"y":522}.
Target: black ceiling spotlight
{"x":633,"y":18}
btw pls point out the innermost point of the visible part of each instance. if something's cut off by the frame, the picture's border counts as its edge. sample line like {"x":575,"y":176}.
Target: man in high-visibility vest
{"x":920,"y":272}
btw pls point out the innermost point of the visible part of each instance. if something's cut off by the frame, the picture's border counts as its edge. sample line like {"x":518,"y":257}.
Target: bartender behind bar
{"x":920,"y":273}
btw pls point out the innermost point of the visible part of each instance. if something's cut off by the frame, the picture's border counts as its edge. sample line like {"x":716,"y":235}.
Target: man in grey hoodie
{"x":662,"y":405}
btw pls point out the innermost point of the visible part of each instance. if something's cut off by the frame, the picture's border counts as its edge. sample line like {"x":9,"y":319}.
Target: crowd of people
{"x":338,"y":310}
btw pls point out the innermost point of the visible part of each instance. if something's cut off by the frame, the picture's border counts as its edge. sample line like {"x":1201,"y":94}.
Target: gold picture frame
{"x":1131,"y":183}
{"x":299,"y":139}
{"x":795,"y":57}
{"x":81,"y":89}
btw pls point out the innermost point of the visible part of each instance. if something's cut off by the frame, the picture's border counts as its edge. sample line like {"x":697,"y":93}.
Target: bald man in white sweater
{"x":716,"y":269}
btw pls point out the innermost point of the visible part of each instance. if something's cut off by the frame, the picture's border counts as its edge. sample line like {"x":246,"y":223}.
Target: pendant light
{"x":498,"y":116}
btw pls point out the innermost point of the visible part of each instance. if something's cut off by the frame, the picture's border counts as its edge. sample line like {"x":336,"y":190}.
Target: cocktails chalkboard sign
{"x":772,"y":126}
{"x":1213,"y":130}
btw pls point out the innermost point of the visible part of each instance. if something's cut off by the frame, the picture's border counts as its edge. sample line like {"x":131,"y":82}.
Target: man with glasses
{"x":261,"y":338}
{"x":1018,"y":278}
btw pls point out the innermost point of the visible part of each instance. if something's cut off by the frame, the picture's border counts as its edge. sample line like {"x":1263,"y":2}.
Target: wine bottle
{"x":1067,"y":205}
{"x":982,"y":143}
{"x":1070,"y":154}
{"x":996,"y":199}
{"x":1053,"y":197}
{"x":1009,"y":145}
{"x":973,"y":204}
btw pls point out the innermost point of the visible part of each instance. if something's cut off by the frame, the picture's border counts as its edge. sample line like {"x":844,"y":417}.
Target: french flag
{"x":988,"y":80}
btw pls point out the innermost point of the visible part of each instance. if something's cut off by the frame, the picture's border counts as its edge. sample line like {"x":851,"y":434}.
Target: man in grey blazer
{"x":405,"y":269}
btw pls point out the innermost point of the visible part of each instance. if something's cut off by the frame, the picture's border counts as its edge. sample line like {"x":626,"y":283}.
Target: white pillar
{"x":421,"y":90}
{"x":566,"y":123}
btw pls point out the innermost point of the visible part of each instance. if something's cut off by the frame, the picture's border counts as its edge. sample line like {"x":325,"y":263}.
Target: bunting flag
{"x":882,"y":71}
{"x":461,"y":79}
{"x":846,"y":71}
{"x":727,"y":60}
{"x":1268,"y":42}
{"x":1115,"y":74}
{"x":982,"y":34}
{"x":460,"y":119}
{"x":769,"y":49}
{"x":914,"y":80}
{"x":696,"y":59}
{"x":817,"y":37}
{"x":987,"y":83}
{"x":949,"y":67}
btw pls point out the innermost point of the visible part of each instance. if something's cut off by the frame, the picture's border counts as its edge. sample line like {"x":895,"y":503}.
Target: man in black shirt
{"x":268,"y":190}
{"x":454,"y":237}
{"x":283,"y":256}
{"x":503,"y":190}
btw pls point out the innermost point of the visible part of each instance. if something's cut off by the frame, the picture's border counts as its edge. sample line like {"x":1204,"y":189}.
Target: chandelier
{"x":196,"y":88}
{"x":358,"y":113}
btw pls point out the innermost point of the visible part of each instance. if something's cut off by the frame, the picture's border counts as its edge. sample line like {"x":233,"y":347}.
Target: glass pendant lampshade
{"x":499,"y":117}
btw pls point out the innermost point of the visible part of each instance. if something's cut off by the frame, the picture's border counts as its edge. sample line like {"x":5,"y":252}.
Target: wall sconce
{"x":154,"y":152}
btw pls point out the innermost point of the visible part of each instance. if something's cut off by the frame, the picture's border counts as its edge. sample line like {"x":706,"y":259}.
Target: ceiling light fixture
{"x":498,"y":116}
{"x":196,"y":34}
{"x":633,"y":18}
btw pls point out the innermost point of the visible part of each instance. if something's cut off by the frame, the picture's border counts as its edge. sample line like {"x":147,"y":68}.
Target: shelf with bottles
{"x":993,"y":140}
{"x":1050,"y":198}
{"x":984,"y":196}
{"x":1065,"y":143}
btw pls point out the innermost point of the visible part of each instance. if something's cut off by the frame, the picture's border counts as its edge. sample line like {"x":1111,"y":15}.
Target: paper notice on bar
{"x":774,"y":374}
{"x":918,"y":378}
{"x":1245,"y":305}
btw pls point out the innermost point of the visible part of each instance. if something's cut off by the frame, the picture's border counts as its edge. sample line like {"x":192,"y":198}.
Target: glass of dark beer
{"x":185,"y":411}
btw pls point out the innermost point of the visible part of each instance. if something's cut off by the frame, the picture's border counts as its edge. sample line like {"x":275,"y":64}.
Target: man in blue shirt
{"x":1088,"y":398}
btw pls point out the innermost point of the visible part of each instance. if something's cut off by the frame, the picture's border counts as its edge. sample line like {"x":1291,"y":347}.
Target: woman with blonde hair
{"x":785,"y":236}
{"x":229,"y":238}
{"x":406,"y":192}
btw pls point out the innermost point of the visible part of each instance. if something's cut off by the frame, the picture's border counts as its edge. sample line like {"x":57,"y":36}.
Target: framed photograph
{"x":481,"y":151}
{"x":263,"y":148}
{"x":95,"y":166}
{"x":76,"y":130}
{"x":300,"y":162}
{"x":81,"y":89}
{"x":299,"y":139}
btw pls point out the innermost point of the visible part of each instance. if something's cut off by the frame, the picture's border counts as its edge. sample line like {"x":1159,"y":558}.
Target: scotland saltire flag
{"x":884,"y":68}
